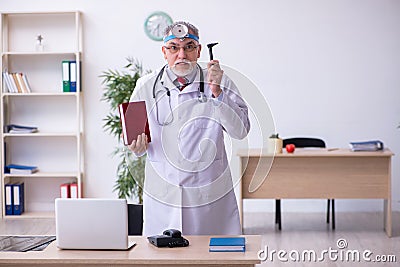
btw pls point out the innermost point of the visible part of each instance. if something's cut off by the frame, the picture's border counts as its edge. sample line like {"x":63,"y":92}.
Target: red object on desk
{"x":290,"y":148}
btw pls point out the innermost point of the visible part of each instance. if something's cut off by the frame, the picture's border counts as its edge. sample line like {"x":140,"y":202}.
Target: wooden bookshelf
{"x":33,"y":215}
{"x":57,"y":147}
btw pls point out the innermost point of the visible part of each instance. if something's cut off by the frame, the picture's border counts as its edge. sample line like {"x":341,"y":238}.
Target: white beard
{"x":182,"y":72}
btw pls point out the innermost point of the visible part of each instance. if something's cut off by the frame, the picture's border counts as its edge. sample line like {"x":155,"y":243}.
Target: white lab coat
{"x":188,"y":184}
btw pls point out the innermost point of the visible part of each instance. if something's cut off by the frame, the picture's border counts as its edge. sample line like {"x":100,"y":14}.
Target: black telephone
{"x":170,"y":238}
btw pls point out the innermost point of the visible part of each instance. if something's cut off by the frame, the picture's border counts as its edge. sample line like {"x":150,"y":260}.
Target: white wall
{"x":327,"y":68}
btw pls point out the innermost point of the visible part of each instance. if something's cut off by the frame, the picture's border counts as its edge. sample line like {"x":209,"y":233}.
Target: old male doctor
{"x":188,"y":184}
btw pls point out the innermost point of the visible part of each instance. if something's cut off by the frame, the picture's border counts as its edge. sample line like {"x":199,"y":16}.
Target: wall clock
{"x":155,"y":24}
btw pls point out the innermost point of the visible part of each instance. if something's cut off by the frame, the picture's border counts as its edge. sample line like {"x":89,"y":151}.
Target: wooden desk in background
{"x":319,"y":173}
{"x":142,"y":254}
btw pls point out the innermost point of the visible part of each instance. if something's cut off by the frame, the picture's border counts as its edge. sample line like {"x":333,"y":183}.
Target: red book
{"x":73,"y":190}
{"x":133,"y":120}
{"x":65,"y":191}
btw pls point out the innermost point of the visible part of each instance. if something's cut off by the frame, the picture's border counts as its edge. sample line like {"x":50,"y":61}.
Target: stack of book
{"x":373,"y":145}
{"x":227,"y":244}
{"x":14,"y":198}
{"x":69,"y":75}
{"x":16,"y":83}
{"x":21,"y":169}
{"x":14,"y":128}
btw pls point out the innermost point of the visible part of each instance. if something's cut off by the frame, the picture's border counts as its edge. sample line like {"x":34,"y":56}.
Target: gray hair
{"x":190,"y":26}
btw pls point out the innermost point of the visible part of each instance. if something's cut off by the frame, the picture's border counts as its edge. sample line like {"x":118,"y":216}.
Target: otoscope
{"x":202,"y":96}
{"x":210,"y":46}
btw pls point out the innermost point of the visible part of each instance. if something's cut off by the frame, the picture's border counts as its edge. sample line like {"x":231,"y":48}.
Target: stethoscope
{"x":201,"y":97}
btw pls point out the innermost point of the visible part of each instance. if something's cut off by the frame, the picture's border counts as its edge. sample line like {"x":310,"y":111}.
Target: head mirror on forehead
{"x":181,"y":32}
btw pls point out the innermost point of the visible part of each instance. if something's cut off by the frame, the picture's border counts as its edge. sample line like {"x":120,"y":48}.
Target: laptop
{"x":92,"y":223}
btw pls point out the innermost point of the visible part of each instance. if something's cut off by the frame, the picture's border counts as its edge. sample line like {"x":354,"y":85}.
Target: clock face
{"x":155,"y":24}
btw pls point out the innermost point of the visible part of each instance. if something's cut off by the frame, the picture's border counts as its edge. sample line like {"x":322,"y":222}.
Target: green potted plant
{"x":118,"y":88}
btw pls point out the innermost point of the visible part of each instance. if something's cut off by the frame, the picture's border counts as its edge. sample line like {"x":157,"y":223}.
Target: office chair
{"x":135,"y":219}
{"x":302,"y":142}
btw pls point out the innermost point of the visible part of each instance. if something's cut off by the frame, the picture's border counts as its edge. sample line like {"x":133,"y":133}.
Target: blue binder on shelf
{"x":8,"y":199}
{"x":18,"y":198}
{"x":72,"y":76}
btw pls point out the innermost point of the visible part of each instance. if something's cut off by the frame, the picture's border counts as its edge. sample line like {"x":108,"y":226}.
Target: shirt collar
{"x":190,"y":77}
{"x":167,"y":82}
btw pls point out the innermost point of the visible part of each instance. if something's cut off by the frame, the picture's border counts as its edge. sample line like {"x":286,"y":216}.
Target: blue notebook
{"x":227,"y":244}
{"x":20,"y":169}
